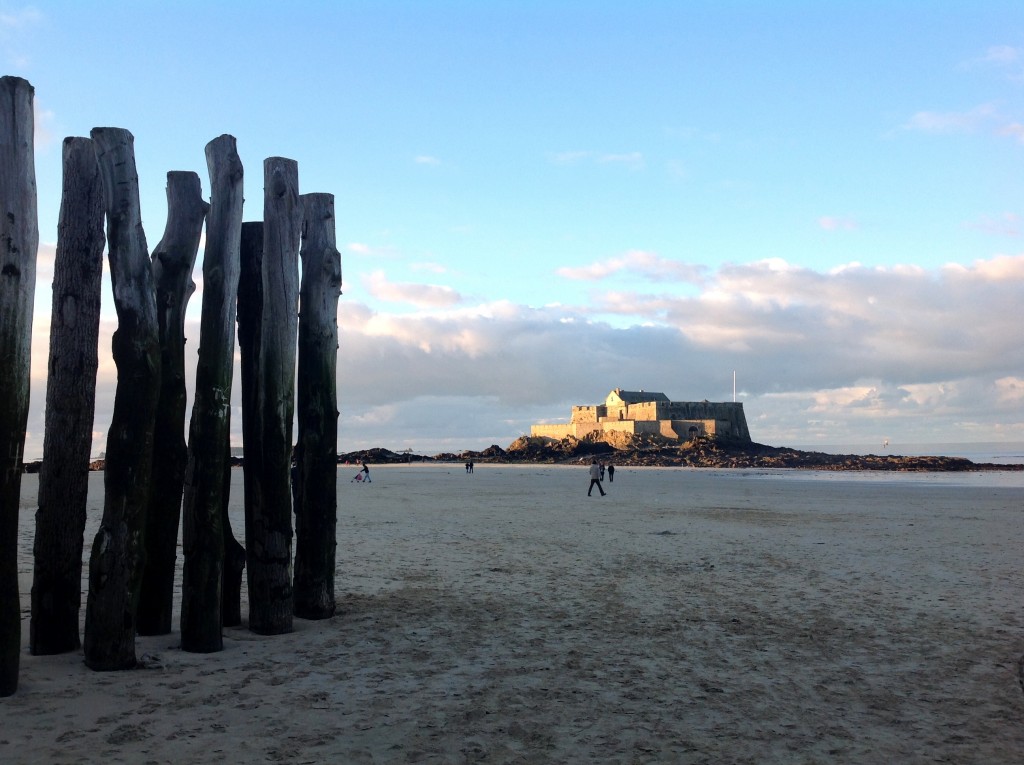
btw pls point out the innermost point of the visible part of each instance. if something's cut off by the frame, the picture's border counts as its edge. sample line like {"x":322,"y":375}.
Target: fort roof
{"x":636,"y":396}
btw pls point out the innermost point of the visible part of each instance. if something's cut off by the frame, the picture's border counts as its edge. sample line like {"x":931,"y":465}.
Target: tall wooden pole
{"x":269,"y":549}
{"x":118,"y":555}
{"x":316,"y":492}
{"x":174,"y":258}
{"x":19,"y":243}
{"x":209,"y":431}
{"x":70,"y":404}
{"x":250,"y":329}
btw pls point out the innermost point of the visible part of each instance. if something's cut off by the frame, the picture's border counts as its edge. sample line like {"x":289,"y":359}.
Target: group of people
{"x":597,"y":471}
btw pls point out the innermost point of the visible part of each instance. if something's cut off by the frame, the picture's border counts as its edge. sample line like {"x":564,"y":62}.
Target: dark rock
{"x":711,"y":453}
{"x":380,"y":456}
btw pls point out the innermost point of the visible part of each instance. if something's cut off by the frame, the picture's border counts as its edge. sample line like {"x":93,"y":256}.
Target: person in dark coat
{"x":595,"y":477}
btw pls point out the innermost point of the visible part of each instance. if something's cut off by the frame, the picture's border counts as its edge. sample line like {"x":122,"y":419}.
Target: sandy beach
{"x":690,"y":616}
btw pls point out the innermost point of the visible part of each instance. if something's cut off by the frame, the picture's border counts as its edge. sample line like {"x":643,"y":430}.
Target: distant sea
{"x":1000,"y":453}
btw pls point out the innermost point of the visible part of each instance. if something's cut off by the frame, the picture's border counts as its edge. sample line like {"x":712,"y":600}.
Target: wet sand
{"x":690,"y":616}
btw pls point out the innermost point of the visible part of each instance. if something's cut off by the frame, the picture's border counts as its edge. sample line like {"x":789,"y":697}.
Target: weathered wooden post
{"x":250,"y":327}
{"x":316,"y":510}
{"x":174,"y":258}
{"x":269,"y":549}
{"x":209,"y":430}
{"x":19,"y":243}
{"x":117,"y":559}
{"x":70,"y":404}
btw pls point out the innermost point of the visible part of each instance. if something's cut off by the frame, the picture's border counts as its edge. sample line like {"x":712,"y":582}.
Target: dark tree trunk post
{"x":70,"y":404}
{"x":270,"y":547}
{"x":19,"y":242}
{"x":174,"y":258}
{"x":118,"y":553}
{"x":234,"y":555}
{"x":316,"y":510}
{"x":250,"y":323}
{"x":209,"y":431}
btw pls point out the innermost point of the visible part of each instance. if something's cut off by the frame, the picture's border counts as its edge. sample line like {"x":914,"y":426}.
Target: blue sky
{"x":538,"y":202}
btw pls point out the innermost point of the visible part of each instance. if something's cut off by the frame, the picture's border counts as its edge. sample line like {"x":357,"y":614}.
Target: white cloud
{"x":376,"y":251}
{"x":1013,"y":130}
{"x":421,"y":295}
{"x":20,"y":18}
{"x":986,"y":117}
{"x":837,"y":223}
{"x":638,"y":263}
{"x":1005,"y":58}
{"x":951,"y":122}
{"x":14,"y":25}
{"x":1003,"y":54}
{"x":1010,"y":389}
{"x":42,"y":126}
{"x":433,"y":268}
{"x":426,"y":159}
{"x":1000,"y":268}
{"x":1006,"y":224}
{"x":634,"y":159}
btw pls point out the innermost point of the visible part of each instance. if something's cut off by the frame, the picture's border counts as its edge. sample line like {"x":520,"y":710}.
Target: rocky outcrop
{"x":624,"y":449}
{"x":654,"y":451}
{"x":378,"y":456}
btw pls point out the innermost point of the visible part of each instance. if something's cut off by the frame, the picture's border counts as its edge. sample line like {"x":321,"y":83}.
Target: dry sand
{"x":505,"y":617}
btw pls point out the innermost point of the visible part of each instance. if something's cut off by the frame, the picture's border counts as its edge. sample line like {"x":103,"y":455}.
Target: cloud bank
{"x":854,"y":355}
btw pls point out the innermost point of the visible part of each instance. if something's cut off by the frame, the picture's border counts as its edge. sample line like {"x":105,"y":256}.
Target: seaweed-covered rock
{"x":656,"y":451}
{"x":379,"y":456}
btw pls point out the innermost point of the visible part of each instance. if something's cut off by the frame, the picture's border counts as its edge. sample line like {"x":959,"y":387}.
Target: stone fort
{"x":648,"y":413}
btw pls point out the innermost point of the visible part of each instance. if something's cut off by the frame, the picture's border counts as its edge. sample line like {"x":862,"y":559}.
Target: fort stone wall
{"x":587,"y":413}
{"x":652,"y":414}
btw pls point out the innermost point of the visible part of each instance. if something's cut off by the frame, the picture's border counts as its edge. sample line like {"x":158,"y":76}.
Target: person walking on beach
{"x":366,"y":474}
{"x":595,"y":477}
{"x":611,"y":473}
{"x":601,"y":464}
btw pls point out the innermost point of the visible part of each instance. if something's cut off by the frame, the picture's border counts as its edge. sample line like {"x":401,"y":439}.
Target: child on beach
{"x":363,"y":476}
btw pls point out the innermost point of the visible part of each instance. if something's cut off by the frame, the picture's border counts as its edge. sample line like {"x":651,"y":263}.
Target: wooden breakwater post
{"x":70,"y":405}
{"x":269,"y":545}
{"x":250,"y":329}
{"x":117,"y":558}
{"x":19,"y":244}
{"x":316,"y":470}
{"x":204,"y":511}
{"x":174,"y":258}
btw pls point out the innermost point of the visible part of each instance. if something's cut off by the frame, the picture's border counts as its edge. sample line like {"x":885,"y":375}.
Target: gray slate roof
{"x":638,"y":396}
